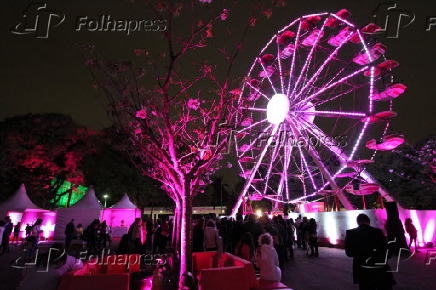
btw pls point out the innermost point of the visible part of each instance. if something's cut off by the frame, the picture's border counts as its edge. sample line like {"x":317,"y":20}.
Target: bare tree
{"x":179,"y":114}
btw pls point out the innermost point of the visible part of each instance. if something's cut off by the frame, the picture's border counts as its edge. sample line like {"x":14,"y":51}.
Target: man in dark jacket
{"x":69,"y":234}
{"x":368,"y":247}
{"x":253,"y":228}
{"x":6,"y":234}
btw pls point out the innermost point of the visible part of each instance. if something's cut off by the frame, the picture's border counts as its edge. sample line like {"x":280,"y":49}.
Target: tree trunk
{"x":186,"y":233}
{"x":177,"y":227}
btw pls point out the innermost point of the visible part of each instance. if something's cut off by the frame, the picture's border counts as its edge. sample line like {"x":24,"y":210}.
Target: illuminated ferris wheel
{"x":314,"y":94}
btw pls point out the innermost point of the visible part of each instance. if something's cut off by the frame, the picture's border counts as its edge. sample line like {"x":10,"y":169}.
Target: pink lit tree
{"x":43,"y":151}
{"x":178,"y":107}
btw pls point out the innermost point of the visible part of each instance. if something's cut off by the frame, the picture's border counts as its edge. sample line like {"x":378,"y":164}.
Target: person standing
{"x":279,"y":244}
{"x":298,"y":222}
{"x":33,"y":239}
{"x":105,"y":237}
{"x":137,"y":235}
{"x":28,"y":230}
{"x":69,"y":234}
{"x":413,"y":233}
{"x":198,"y":236}
{"x":304,"y":233}
{"x":368,"y":247}
{"x":291,"y":236}
{"x":92,"y":235}
{"x":245,"y":247}
{"x":313,"y":237}
{"x":79,"y":231}
{"x":253,"y":227}
{"x":164,"y":237}
{"x":17,"y":228}
{"x":237,"y":231}
{"x":210,"y":237}
{"x":6,"y":234}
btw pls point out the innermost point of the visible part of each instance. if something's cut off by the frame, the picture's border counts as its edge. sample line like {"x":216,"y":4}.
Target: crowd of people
{"x":260,"y":240}
{"x":142,"y":236}
{"x":267,"y":242}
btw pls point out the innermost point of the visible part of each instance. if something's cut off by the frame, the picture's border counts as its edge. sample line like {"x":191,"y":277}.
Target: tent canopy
{"x":20,"y":201}
{"x":89,"y":200}
{"x":124,"y":202}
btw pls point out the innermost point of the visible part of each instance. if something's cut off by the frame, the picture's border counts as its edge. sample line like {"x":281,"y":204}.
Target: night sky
{"x":48,"y":75}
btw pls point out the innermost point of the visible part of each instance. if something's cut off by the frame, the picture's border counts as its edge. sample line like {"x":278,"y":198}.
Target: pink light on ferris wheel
{"x":277,"y":109}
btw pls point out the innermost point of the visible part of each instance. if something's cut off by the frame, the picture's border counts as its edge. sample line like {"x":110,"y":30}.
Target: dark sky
{"x":48,"y":75}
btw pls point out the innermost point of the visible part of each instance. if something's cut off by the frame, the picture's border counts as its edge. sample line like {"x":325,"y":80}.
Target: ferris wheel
{"x":316,"y":92}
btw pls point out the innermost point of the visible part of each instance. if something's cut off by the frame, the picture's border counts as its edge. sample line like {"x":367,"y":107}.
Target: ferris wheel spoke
{"x":321,"y":68}
{"x":322,"y":137}
{"x":334,"y":97}
{"x":309,"y":58}
{"x":365,"y":124}
{"x":333,"y":114}
{"x":257,"y":91}
{"x":260,"y":158}
{"x":268,"y":77}
{"x":251,"y":126}
{"x":250,"y":146}
{"x":284,"y":174}
{"x":256,"y":109}
{"x":273,"y":158}
{"x":324,"y":171}
{"x":280,"y":66}
{"x":343,"y":79}
{"x":296,"y":44}
{"x":305,"y":165}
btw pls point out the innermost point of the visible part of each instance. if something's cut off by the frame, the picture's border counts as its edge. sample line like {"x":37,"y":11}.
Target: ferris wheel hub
{"x":277,"y":109}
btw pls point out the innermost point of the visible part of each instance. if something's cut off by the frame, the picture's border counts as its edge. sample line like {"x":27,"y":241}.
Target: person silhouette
{"x":368,"y":247}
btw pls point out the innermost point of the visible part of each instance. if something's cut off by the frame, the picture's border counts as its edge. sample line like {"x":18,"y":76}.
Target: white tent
{"x":83,"y":212}
{"x":121,"y":215}
{"x":18,"y":202}
{"x":89,"y":200}
{"x":124,"y":202}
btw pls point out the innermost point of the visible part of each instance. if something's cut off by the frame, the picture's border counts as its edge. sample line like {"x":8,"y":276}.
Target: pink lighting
{"x":277,"y":109}
{"x":29,"y":216}
{"x":304,"y":88}
{"x":113,"y":217}
{"x":429,"y":230}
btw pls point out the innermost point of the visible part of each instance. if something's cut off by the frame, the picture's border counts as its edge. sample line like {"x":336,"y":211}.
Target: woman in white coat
{"x":267,"y":259}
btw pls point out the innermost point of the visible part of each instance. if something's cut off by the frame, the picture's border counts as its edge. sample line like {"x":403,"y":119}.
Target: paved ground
{"x":331,"y":270}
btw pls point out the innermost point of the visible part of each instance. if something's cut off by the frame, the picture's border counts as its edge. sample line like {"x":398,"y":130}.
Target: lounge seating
{"x":228,"y":272}
{"x":112,"y":273}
